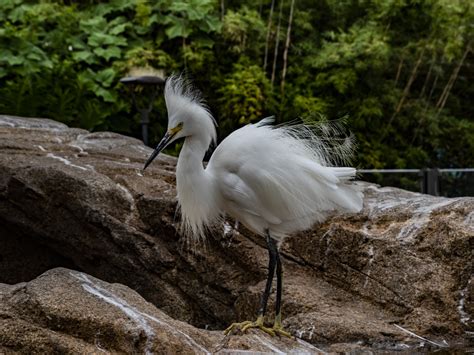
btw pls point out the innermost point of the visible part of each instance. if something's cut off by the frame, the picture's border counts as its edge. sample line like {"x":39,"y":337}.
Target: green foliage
{"x":191,"y":16}
{"x":243,"y":30}
{"x":399,"y":69}
{"x":244,"y":94}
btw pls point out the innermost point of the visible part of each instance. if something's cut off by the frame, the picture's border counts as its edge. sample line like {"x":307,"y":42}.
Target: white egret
{"x":276,"y":180}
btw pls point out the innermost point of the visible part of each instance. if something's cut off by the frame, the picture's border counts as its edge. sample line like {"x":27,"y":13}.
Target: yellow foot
{"x":233,"y":326}
{"x":278,"y":327}
{"x":244,"y":326}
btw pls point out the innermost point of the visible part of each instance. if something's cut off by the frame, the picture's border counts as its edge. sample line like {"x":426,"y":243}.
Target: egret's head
{"x":188,"y":115}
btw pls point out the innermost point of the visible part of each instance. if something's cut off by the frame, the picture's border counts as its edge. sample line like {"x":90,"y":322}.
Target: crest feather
{"x":182,"y":98}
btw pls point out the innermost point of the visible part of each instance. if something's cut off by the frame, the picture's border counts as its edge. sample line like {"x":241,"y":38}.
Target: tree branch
{"x":267,"y":40}
{"x":447,"y":89}
{"x":277,"y":42}
{"x":287,"y":45}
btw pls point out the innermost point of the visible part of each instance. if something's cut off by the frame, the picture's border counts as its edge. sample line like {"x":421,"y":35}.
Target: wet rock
{"x":66,"y":311}
{"x":80,"y":200}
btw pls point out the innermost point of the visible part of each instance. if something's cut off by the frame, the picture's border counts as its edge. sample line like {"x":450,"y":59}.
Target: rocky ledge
{"x":66,"y":311}
{"x":397,"y":276}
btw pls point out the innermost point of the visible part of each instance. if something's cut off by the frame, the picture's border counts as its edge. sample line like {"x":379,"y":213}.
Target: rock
{"x":401,"y":268}
{"x":66,"y":311}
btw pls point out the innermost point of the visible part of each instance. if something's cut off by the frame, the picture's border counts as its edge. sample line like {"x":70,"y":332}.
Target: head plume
{"x":185,"y":103}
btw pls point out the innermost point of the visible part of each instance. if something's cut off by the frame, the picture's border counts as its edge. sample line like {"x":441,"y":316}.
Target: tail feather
{"x":344,"y":173}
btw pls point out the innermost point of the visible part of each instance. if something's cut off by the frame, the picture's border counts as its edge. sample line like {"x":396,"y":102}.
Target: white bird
{"x":276,"y":180}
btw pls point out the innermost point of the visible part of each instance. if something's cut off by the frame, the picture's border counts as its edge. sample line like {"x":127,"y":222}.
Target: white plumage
{"x":276,"y":180}
{"x":271,"y":180}
{"x":266,"y":177}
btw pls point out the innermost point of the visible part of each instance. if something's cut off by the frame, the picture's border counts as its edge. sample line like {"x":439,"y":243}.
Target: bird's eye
{"x":180,"y":125}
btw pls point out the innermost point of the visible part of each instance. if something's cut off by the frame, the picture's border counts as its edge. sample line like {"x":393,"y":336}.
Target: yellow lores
{"x":173,"y":131}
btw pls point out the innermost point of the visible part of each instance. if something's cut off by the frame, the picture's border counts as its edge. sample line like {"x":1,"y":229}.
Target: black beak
{"x":163,"y":143}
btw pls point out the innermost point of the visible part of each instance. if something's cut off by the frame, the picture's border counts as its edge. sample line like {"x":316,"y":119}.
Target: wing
{"x":270,"y":174}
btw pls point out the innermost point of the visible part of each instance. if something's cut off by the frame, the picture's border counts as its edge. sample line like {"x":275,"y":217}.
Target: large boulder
{"x":65,"y":311}
{"x":401,"y":268}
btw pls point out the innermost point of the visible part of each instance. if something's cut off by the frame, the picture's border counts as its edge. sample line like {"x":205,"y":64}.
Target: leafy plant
{"x":400,"y":70}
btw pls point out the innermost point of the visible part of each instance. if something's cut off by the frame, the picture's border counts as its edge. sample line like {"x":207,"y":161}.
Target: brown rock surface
{"x":65,"y":311}
{"x":80,"y":200}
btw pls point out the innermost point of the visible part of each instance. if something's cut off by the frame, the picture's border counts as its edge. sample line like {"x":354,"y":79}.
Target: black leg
{"x":277,"y":326}
{"x":274,"y":262}
{"x":273,"y":255}
{"x":279,"y":272}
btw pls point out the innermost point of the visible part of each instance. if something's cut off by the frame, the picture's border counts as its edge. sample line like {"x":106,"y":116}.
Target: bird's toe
{"x":240,"y":326}
{"x":260,"y":326}
{"x":277,"y":328}
{"x":281,"y":332}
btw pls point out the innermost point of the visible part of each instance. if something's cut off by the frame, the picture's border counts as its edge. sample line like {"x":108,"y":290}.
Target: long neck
{"x":191,"y":156}
{"x":196,"y":188}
